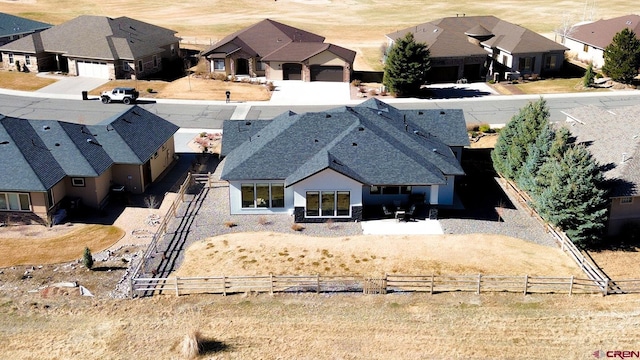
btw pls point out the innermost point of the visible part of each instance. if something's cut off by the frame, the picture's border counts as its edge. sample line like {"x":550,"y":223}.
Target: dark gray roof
{"x":37,"y":154}
{"x":372,"y":143}
{"x":613,"y":138}
{"x":98,"y":37}
{"x":448,"y":37}
{"x":600,"y":33}
{"x":15,"y":25}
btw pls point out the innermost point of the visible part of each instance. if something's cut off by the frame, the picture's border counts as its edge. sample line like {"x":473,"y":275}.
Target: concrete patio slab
{"x":394,"y":227}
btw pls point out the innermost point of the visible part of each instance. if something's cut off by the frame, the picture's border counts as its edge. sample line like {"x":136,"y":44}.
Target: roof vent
{"x":354,"y":144}
{"x":420,"y":113}
{"x":624,"y":157}
{"x":57,"y":144}
{"x":315,"y":140}
{"x":327,"y":116}
{"x":441,"y":112}
{"x":5,"y":142}
{"x":248,"y":123}
{"x":360,"y":128}
{"x":46,"y":127}
{"x":434,"y":150}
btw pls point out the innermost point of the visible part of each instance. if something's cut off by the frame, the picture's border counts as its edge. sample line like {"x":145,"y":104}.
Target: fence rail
{"x":433,"y":283}
{"x":589,"y":268}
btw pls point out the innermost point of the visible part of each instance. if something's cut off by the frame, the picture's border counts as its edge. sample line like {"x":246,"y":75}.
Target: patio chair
{"x":408,"y":215}
{"x":386,"y":211}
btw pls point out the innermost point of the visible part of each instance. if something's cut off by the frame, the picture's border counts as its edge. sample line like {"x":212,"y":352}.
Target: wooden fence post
{"x":606,"y":287}
{"x":526,"y":283}
{"x":432,"y":276}
{"x":317,"y":283}
{"x":571,"y":286}
{"x":271,"y":286}
{"x":224,"y":286}
{"x":177,"y":288}
{"x":479,"y":279}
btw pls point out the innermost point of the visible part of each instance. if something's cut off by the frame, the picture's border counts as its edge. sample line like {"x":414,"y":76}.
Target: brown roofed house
{"x":474,"y":47}
{"x":280,"y":52}
{"x":588,"y":40}
{"x":95,"y":46}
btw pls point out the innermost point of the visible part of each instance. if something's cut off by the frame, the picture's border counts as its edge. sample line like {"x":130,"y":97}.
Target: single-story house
{"x":474,"y":47}
{"x":95,"y":46}
{"x":45,"y":162}
{"x":14,"y":27}
{"x":280,"y":52}
{"x":613,"y":138}
{"x":587,"y":41}
{"x":329,"y":165}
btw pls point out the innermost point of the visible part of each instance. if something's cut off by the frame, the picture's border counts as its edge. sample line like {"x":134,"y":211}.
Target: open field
{"x":356,"y":24}
{"x":400,"y":326}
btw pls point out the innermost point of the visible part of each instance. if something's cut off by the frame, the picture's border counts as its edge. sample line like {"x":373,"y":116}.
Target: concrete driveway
{"x":292,"y":92}
{"x":70,"y":85}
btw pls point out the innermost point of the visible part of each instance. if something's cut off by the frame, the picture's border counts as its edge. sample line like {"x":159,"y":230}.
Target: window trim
{"x":320,"y":210}
{"x":218,"y":61}
{"x":27,"y":59}
{"x":77,"y":182}
{"x":5,"y":195}
{"x":626,"y":200}
{"x":256,"y":203}
{"x":11,"y":59}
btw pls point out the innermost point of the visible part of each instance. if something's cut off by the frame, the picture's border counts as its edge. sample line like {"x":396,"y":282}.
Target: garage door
{"x":443,"y":74}
{"x":96,"y":69}
{"x":291,"y":71}
{"x":326,"y":73}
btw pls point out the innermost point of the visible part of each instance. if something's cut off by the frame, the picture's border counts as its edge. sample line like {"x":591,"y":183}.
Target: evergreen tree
{"x":589,"y":75}
{"x":406,"y":67}
{"x":622,"y":57}
{"x":538,"y":154}
{"x":575,"y":199}
{"x":87,"y":258}
{"x":512,"y":148}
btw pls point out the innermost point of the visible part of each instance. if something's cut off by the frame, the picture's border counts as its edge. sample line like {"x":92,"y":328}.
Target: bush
{"x":356,"y":82}
{"x":150,"y":90}
{"x":230,"y":224}
{"x":297,"y":227}
{"x":87,"y":258}
{"x":270,"y":86}
{"x":485,"y":128}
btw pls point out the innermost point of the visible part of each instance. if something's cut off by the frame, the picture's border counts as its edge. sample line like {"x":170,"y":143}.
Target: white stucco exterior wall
{"x":235,"y":199}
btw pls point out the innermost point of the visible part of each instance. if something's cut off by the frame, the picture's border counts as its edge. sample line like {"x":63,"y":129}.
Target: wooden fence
{"x":590,"y":269}
{"x":433,"y":283}
{"x":162,"y":227}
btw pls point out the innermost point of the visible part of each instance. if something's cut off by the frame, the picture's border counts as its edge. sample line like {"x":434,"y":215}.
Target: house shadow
{"x":481,"y":196}
{"x":451,"y":92}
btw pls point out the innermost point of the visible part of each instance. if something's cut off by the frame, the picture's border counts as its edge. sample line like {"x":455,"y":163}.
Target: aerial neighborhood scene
{"x":319,"y":179}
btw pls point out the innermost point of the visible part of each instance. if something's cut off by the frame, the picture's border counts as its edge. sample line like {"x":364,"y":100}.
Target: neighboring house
{"x":14,"y":27}
{"x":613,"y":138}
{"x":329,"y":165}
{"x":95,"y":46}
{"x":44,"y":162}
{"x":474,"y":47}
{"x":587,"y":41}
{"x":280,"y":52}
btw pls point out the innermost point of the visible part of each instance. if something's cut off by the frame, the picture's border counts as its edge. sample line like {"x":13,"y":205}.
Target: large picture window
{"x":262,"y":195}
{"x":218,"y":64}
{"x":328,"y":203}
{"x":15,"y":202}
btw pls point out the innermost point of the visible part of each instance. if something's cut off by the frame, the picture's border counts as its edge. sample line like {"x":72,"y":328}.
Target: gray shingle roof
{"x":600,"y":33}
{"x":37,"y":154}
{"x":98,"y":37}
{"x":613,"y":138}
{"x":373,"y":143}
{"x":15,"y":25}
{"x":446,"y":37}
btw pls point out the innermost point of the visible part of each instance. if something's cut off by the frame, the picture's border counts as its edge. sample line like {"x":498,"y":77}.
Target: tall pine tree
{"x":575,"y":199}
{"x":622,"y":57}
{"x":406,"y":66}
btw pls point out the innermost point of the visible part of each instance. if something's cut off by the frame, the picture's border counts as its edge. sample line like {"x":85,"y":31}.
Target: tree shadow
{"x":450,"y":92}
{"x":210,"y":346}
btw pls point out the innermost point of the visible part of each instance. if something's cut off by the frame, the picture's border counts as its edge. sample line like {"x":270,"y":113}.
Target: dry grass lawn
{"x":193,"y":88}
{"x":27,"y":250}
{"x":369,"y":255}
{"x":555,"y":86}
{"x":23,"y":81}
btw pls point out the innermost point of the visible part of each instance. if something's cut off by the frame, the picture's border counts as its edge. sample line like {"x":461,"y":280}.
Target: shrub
{"x":191,"y":345}
{"x":270,"y":86}
{"x":262,"y":220}
{"x":485,"y":128}
{"x":230,"y":224}
{"x":218,"y":76}
{"x":87,"y":258}
{"x":150,"y":90}
{"x":356,"y":82}
{"x":373,"y":92}
{"x":297,"y":227}
{"x":473,"y":127}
